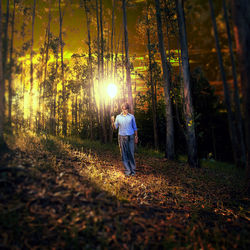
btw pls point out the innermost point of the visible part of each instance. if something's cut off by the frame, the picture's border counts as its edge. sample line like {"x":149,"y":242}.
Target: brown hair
{"x":126,"y":105}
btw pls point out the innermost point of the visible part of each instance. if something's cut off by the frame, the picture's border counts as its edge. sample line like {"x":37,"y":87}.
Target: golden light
{"x":112,"y":90}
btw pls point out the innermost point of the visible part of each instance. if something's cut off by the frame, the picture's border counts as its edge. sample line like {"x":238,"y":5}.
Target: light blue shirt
{"x":126,"y":124}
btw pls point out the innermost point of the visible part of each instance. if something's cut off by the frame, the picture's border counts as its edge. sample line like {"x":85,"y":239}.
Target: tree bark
{"x":153,"y":99}
{"x":170,"y":152}
{"x":101,"y":76}
{"x":112,"y":40}
{"x":31,"y":61}
{"x":127,"y":61}
{"x":241,"y":10}
{"x":188,"y":104}
{"x":5,"y":39}
{"x":239,"y":123}
{"x":232,"y":130}
{"x":90,"y":70}
{"x":2,"y":142}
{"x":11,"y":66}
{"x":64,"y":118}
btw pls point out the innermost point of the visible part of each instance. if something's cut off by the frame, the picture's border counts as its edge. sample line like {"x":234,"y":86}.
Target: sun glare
{"x":112,"y":90}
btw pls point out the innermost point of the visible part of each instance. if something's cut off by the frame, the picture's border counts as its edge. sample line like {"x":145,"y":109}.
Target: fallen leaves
{"x":57,"y":196}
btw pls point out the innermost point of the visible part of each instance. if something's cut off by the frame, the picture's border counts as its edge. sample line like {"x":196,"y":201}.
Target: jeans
{"x":127,"y":148}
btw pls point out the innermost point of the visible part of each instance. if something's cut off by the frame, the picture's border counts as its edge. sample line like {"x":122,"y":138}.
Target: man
{"x":127,"y":137}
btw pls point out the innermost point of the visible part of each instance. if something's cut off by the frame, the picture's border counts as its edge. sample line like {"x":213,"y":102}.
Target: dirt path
{"x":56,"y":196}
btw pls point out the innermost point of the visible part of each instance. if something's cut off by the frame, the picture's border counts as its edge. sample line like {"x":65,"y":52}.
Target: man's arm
{"x":136,"y":136}
{"x":135,"y":129}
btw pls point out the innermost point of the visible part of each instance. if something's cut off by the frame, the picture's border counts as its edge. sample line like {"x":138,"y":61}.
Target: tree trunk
{"x":241,"y":10}
{"x":127,"y":61}
{"x":64,"y":118}
{"x":169,"y":153}
{"x":2,"y":142}
{"x":102,"y":105}
{"x":5,"y":40}
{"x":188,"y":105}
{"x":239,"y":123}
{"x":90,"y":70}
{"x":124,"y":94}
{"x":167,"y":27}
{"x":154,"y":111}
{"x":232,"y":130}
{"x":11,"y":66}
{"x":112,"y":40}
{"x":31,"y":61}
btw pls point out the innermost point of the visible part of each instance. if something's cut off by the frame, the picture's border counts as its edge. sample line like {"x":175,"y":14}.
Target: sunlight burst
{"x":112,"y":90}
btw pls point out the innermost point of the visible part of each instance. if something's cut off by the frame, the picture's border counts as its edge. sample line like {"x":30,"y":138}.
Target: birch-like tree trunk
{"x":64,"y":118}
{"x":241,"y":10}
{"x":232,"y":130}
{"x":127,"y":60}
{"x":169,"y":152}
{"x":188,"y":104}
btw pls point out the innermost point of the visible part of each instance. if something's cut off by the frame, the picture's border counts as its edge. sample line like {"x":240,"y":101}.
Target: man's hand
{"x":136,"y":139}
{"x":112,"y":119}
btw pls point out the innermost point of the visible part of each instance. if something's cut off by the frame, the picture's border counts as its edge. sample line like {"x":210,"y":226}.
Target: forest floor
{"x":72,"y":194}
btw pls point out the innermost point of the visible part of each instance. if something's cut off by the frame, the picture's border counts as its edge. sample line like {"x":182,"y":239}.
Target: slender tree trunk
{"x":90,"y":71}
{"x":167,"y":27}
{"x":188,"y":108}
{"x":2,"y":142}
{"x":100,"y":115}
{"x":5,"y":39}
{"x":45,"y":69}
{"x":31,"y":63}
{"x":55,"y":95}
{"x":11,"y":66}
{"x":125,"y":96}
{"x":239,"y":122}
{"x":127,"y":61}
{"x":112,"y":39}
{"x":169,"y":153}
{"x":102,"y":104}
{"x":232,"y":130}
{"x":241,"y":10}
{"x":116,"y":55}
{"x":154,"y":111}
{"x":64,"y":118}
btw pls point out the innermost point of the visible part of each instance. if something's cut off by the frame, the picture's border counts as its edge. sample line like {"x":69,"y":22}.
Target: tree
{"x":127,"y":61}
{"x":2,"y":142}
{"x":232,"y":130}
{"x":64,"y":118}
{"x":238,"y":116}
{"x":152,"y":85}
{"x":90,"y":69}
{"x":103,"y":132}
{"x":188,"y":104}
{"x":170,"y":152}
{"x":5,"y":39}
{"x":11,"y":65}
{"x":241,"y":10}
{"x":31,"y":58}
